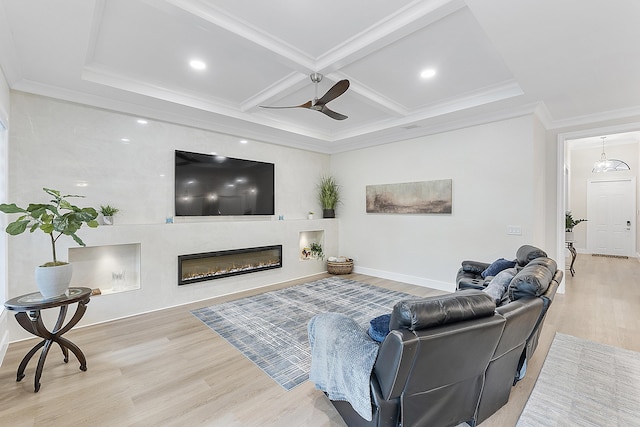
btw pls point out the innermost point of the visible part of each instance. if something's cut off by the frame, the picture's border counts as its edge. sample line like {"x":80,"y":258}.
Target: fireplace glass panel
{"x":215,"y":265}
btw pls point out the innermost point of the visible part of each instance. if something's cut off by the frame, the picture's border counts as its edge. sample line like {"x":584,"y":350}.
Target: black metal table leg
{"x":574,"y":254}
{"x":28,"y":315}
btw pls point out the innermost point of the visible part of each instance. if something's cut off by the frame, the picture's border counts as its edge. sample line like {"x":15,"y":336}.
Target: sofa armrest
{"x":468,"y":280}
{"x":474,"y":266}
{"x":392,"y":366}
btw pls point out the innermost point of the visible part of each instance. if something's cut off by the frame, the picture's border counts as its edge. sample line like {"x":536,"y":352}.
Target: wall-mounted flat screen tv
{"x":212,"y":185}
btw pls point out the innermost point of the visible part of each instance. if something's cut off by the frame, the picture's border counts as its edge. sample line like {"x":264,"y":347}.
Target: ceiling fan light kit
{"x":321,"y":104}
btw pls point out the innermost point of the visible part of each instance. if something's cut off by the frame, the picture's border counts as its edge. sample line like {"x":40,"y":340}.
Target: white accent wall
{"x":498,"y":172}
{"x":78,"y":150}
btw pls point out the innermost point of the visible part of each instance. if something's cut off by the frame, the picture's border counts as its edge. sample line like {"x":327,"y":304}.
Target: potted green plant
{"x":107,"y":214}
{"x":569,"y":223}
{"x":329,"y":196}
{"x":57,"y":218}
{"x":316,"y":251}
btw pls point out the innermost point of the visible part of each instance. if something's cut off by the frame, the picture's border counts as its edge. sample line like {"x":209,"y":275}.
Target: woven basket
{"x":335,"y":267}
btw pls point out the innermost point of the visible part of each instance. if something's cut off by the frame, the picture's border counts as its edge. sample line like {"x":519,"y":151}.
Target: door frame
{"x":561,"y":193}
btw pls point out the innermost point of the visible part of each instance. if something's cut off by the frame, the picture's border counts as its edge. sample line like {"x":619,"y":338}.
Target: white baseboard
{"x":413,"y":280}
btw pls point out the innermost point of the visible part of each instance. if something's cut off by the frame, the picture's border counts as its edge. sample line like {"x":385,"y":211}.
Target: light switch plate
{"x":514,"y":230}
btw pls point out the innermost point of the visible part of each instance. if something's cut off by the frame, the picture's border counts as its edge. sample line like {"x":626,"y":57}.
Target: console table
{"x":28,"y":307}
{"x":574,"y":254}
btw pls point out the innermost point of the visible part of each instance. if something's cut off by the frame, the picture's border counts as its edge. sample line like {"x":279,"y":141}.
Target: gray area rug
{"x":270,"y":329}
{"x":583,"y":383}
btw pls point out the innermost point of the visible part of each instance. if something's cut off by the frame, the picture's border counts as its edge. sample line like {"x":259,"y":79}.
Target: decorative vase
{"x":107,"y":219}
{"x":53,"y":281}
{"x":328,"y":213}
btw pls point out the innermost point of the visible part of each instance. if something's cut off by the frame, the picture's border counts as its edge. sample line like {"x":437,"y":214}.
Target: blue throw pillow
{"x":379,"y":327}
{"x":497,"y":266}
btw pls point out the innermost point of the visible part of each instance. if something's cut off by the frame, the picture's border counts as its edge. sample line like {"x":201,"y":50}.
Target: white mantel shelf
{"x":160,"y":245}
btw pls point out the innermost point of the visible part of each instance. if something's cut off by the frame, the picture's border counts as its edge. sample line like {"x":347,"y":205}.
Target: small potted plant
{"x":57,"y":218}
{"x":310,"y":215}
{"x":569,"y":223}
{"x":107,"y":214}
{"x":329,"y":196}
{"x":316,"y":251}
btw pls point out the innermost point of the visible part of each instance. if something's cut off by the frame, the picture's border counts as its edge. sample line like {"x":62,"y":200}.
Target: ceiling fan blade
{"x":307,"y":104}
{"x":337,"y":90}
{"x":332,"y":113}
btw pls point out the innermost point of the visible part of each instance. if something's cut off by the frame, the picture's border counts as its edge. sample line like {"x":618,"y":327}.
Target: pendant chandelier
{"x":608,"y":165}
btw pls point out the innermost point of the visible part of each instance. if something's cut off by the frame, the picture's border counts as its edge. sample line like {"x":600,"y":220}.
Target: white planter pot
{"x":568,"y":236}
{"x":53,"y":281}
{"x":107,"y":219}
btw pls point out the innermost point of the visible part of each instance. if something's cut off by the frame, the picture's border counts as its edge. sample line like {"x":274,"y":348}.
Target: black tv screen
{"x":212,"y":185}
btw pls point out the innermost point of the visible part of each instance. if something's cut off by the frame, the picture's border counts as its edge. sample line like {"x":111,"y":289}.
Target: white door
{"x":611,"y":217}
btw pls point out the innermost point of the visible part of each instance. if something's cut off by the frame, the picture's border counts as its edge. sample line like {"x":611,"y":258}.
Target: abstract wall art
{"x":426,"y":197}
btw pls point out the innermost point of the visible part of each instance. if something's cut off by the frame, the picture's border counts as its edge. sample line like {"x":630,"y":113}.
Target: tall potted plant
{"x":329,"y":196}
{"x":57,"y":218}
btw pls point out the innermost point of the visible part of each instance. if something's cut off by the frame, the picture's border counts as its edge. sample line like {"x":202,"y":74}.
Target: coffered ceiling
{"x":572,"y":62}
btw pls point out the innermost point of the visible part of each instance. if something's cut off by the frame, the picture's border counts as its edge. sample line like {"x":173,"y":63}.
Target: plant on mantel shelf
{"x":107,"y":214}
{"x":57,"y":218}
{"x":329,"y":196}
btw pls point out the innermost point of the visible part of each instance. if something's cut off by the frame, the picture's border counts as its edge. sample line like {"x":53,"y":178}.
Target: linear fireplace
{"x":216,"y":265}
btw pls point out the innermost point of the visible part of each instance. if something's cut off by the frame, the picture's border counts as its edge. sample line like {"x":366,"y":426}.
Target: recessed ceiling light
{"x":125,"y":140}
{"x":197,"y":64}
{"x":243,"y":141}
{"x":428,"y":73}
{"x":142,"y":121}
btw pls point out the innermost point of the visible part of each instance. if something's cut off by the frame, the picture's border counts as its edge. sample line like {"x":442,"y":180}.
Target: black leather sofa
{"x":531,"y":262}
{"x":454,"y":358}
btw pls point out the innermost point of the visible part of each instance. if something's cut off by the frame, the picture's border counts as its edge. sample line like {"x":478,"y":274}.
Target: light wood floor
{"x":169,"y":369}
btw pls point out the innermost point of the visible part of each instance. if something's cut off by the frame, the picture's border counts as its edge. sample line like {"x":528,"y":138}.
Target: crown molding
{"x":589,"y":119}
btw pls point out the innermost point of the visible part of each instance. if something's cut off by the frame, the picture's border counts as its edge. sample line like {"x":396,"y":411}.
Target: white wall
{"x":4,"y":124}
{"x":58,"y":144}
{"x":540,"y":178}
{"x":498,"y":175}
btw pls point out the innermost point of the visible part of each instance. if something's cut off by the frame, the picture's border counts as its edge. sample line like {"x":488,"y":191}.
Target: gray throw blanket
{"x":342,"y":357}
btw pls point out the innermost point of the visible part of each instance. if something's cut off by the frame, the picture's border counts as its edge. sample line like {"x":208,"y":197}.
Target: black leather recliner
{"x":430,"y":368}
{"x":454,"y":358}
{"x":524,"y":318}
{"x":524,"y":308}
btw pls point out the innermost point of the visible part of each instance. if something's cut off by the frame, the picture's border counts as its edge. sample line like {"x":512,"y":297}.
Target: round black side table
{"x":28,"y":309}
